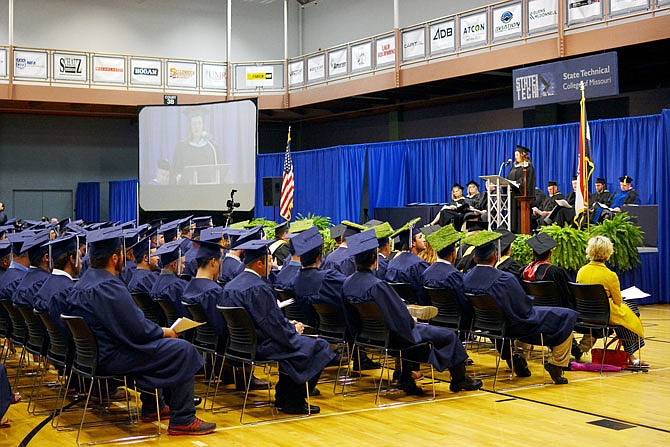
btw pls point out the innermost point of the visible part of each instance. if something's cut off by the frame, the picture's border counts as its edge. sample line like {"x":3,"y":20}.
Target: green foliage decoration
{"x":571,"y":250}
{"x":626,"y":237}
{"x":522,"y":251}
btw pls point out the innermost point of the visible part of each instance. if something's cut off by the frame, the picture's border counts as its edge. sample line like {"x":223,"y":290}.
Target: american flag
{"x":585,"y":168}
{"x":287,"y":184}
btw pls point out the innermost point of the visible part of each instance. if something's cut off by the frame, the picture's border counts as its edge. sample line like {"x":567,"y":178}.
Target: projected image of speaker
{"x":271,"y":191}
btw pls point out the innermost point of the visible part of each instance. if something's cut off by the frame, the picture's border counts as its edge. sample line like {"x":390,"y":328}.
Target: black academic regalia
{"x":547,"y":272}
{"x":128,"y":343}
{"x":512,"y":266}
{"x":6,"y":394}
{"x":454,"y":216}
{"x":408,"y":268}
{"x":30,"y":284}
{"x":207,"y":293}
{"x":285,"y":279}
{"x":340,"y":260}
{"x":466,"y":258}
{"x":282,"y":253}
{"x":316,"y":286}
{"x":51,"y":297}
{"x":364,"y":287}
{"x":516,"y":174}
{"x":525,"y":321}
{"x":443,"y":275}
{"x":230,"y":268}
{"x":382,"y":266}
{"x":169,"y":286}
{"x":299,"y":356}
{"x":142,"y":281}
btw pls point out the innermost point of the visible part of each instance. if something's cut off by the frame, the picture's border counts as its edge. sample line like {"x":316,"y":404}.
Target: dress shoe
{"x":366,"y":363}
{"x":556,"y":373}
{"x":314,"y":392}
{"x":197,"y":400}
{"x":465,"y":384}
{"x":301,"y":409}
{"x":256,"y":384}
{"x":520,"y":366}
{"x":410,"y":388}
{"x":576,"y":352}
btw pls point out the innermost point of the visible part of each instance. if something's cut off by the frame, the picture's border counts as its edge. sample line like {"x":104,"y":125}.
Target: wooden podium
{"x":524,"y":202}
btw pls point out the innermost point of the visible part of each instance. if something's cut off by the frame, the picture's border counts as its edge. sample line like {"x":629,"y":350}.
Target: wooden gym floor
{"x":626,"y":407}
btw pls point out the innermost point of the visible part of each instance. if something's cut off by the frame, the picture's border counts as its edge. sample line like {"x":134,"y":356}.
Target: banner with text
{"x":623,"y":6}
{"x":182,"y":74}
{"x":70,"y":67}
{"x":507,"y":21}
{"x":473,"y":30}
{"x":361,"y":56}
{"x":584,"y":11}
{"x":414,"y":44}
{"x":30,"y":64}
{"x":442,"y":37}
{"x":385,"y":51}
{"x":3,"y":62}
{"x":213,"y":76}
{"x":259,"y":76}
{"x":559,"y":81}
{"x":337,"y":62}
{"x":542,"y":15}
{"x":109,"y":69}
{"x":146,"y":72}
{"x":316,"y":68}
{"x":296,"y":72}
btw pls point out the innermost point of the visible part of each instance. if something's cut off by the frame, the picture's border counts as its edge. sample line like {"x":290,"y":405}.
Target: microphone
{"x":503,"y":164}
{"x":508,"y":162}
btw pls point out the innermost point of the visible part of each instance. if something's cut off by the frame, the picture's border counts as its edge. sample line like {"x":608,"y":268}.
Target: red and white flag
{"x":287,"y":184}
{"x":585,"y":167}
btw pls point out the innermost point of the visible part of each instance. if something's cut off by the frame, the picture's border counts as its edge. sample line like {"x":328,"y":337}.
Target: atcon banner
{"x":146,"y":72}
{"x":30,"y":64}
{"x":361,"y":56}
{"x":213,"y":76}
{"x":473,"y":29}
{"x":316,"y":68}
{"x":560,"y":81}
{"x":296,"y":72}
{"x":259,"y":76}
{"x":507,"y":21}
{"x":542,"y":15}
{"x":70,"y":67}
{"x":385,"y":51}
{"x":109,"y":69}
{"x":337,"y":62}
{"x":414,"y":44}
{"x":182,"y":74}
{"x":584,"y":10}
{"x":442,"y":37}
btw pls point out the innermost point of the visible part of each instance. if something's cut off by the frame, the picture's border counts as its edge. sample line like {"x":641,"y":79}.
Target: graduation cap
{"x":17,"y":240}
{"x":202,"y":221}
{"x":407,"y":231}
{"x":483,"y":243}
{"x":127,"y":225}
{"x":626,"y":179}
{"x":281,"y":228}
{"x":130,"y":237}
{"x":472,"y":182}
{"x":185,"y":223}
{"x":214,"y":234}
{"x":373,"y":223}
{"x":75,"y":228}
{"x":104,"y":242}
{"x":444,"y":238}
{"x":141,"y":248}
{"x":5,"y":248}
{"x":246,"y":236}
{"x":306,"y":241}
{"x":254,"y":249}
{"x":35,"y":246}
{"x":601,"y":180}
{"x":429,"y":229}
{"x":457,"y":185}
{"x":61,"y":246}
{"x":63,"y":223}
{"x":337,"y":231}
{"x":169,"y":230}
{"x":522,"y":149}
{"x":506,"y":240}
{"x":552,"y":183}
{"x":541,"y":244}
{"x":362,"y":242}
{"x":574,"y":177}
{"x":6,"y":228}
{"x":351,"y":228}
{"x":300,"y":225}
{"x":383,"y":231}
{"x":208,"y":250}
{"x":170,"y":252}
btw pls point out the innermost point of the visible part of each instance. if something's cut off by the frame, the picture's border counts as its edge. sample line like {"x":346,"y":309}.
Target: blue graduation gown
{"x":128,"y":343}
{"x":10,"y":281}
{"x":207,"y":293}
{"x":341,"y":261}
{"x":30,"y":284}
{"x":299,"y":356}
{"x":169,"y":286}
{"x":190,"y":263}
{"x":285,"y":279}
{"x":526,"y":321}
{"x":408,"y":267}
{"x":382,"y":266}
{"x":441,"y":275}
{"x":315,"y":286}
{"x":51,"y":297}
{"x":6,"y":394}
{"x":127,"y":272}
{"x":364,"y":286}
{"x":142,"y":281}
{"x":230,"y":268}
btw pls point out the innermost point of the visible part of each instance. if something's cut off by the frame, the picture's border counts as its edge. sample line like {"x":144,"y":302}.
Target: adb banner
{"x":442,"y":37}
{"x":337,"y":62}
{"x":296,"y":72}
{"x":559,"y":81}
{"x":70,"y":67}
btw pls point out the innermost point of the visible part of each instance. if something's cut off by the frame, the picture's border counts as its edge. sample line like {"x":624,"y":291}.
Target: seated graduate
{"x":407,"y":266}
{"x":429,"y":254}
{"x":280,"y":248}
{"x":384,"y":232}
{"x":199,"y":224}
{"x":286,"y":277}
{"x":446,"y":352}
{"x":131,"y":236}
{"x":525,"y":321}
{"x":130,"y":344}
{"x":144,"y":275}
{"x":340,"y":259}
{"x":506,"y":263}
{"x":453,"y":212}
{"x":301,"y":359}
{"x":542,"y":270}
{"x":38,"y":254}
{"x":169,"y":286}
{"x":17,"y":269}
{"x":231,"y":265}
{"x":5,"y":255}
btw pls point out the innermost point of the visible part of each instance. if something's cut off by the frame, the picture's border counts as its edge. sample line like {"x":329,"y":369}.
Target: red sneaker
{"x":197,"y":427}
{"x":153,"y":417}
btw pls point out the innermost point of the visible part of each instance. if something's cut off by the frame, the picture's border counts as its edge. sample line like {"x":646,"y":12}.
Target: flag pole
{"x":583,"y":175}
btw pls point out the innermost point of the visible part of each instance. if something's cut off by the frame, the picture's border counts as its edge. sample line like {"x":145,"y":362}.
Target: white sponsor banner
{"x":182,"y":74}
{"x":3,"y":62}
{"x":30,"y":64}
{"x":618,"y":6}
{"x":583,"y":10}
{"x":316,"y":68}
{"x":507,"y":21}
{"x":361,"y":56}
{"x":70,"y":67}
{"x":262,"y":76}
{"x":213,"y":76}
{"x":146,"y":72}
{"x":414,"y":44}
{"x":542,"y":14}
{"x":296,"y":72}
{"x":337,"y":62}
{"x":109,"y":69}
{"x":385,"y":51}
{"x":442,"y":37}
{"x":473,"y":29}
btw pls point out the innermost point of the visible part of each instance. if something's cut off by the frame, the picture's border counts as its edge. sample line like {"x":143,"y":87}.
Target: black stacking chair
{"x":36,"y":344}
{"x":168,"y":309}
{"x":17,"y":336}
{"x":152,"y":311}
{"x":546,"y":293}
{"x":405,"y":291}
{"x":294,"y":311}
{"x":332,"y":327}
{"x":449,"y":312}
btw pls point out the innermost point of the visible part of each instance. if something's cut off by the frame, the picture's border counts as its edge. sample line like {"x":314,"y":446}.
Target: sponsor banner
{"x":316,"y":68}
{"x":621,"y":6}
{"x":262,"y":76}
{"x":109,"y":69}
{"x":507,"y":21}
{"x":146,"y":72}
{"x":584,"y":10}
{"x":385,"y":51}
{"x":70,"y":67}
{"x":213,"y":76}
{"x":3,"y":62}
{"x":296,"y":72}
{"x":182,"y":74}
{"x":560,"y":81}
{"x":337,"y":62}
{"x":414,"y":44}
{"x":473,"y":29}
{"x":361,"y":56}
{"x":542,"y":15}
{"x":30,"y":64}
{"x":442,"y":37}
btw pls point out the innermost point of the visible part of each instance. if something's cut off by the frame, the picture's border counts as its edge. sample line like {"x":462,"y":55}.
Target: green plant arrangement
{"x":322,"y":223}
{"x":626,"y":237}
{"x":522,"y":251}
{"x":571,"y":250}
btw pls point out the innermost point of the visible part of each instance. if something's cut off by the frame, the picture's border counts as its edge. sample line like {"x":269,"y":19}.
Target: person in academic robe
{"x":169,"y":286}
{"x":445,"y":352}
{"x":506,"y":263}
{"x":407,"y":266}
{"x":384,"y":232}
{"x":129,"y":344}
{"x":626,"y":195}
{"x":38,"y":254}
{"x":542,"y":270}
{"x":453,"y":212}
{"x":601,"y":195}
{"x":144,"y":275}
{"x":629,"y":326}
{"x":285,"y":278}
{"x":17,"y":269}
{"x":339,"y":259}
{"x":301,"y":359}
{"x":525,"y":180}
{"x":281,"y":250}
{"x":525,"y":321}
{"x":232,"y":265}
{"x":5,"y":256}
{"x":549,"y":211}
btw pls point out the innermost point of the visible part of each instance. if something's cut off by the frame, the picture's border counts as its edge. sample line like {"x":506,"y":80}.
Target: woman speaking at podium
{"x":522,"y":173}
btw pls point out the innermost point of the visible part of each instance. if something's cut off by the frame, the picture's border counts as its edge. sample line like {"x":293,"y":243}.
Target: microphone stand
{"x":501,"y":168}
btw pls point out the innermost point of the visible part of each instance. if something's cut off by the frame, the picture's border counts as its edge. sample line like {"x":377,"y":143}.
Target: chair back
{"x":5,"y":323}
{"x":592,"y":304}
{"x":241,"y":344}
{"x":19,"y":332}
{"x":546,"y":293}
{"x":332,"y":324}
{"x":37,"y":341}
{"x":206,"y":338}
{"x":372,"y":328}
{"x":85,"y":346}
{"x":152,"y":311}
{"x":59,"y":344}
{"x":168,"y":309}
{"x":292,"y":311}
{"x":449,"y":313}
{"x":405,"y":291}
{"x":488,"y":316}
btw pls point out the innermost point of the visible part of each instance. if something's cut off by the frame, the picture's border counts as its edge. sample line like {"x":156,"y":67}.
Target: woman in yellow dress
{"x":630,"y":331}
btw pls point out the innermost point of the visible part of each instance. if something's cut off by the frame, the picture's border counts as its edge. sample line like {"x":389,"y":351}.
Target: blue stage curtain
{"x":387,"y":174}
{"x":123,"y":200}
{"x":87,"y":201}
{"x":660,"y":178}
{"x":647,"y":277}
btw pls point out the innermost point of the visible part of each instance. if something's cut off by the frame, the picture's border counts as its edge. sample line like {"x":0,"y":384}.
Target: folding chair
{"x":152,"y":311}
{"x":449,"y":312}
{"x":332,"y":327}
{"x":405,"y":291}
{"x":546,"y":293}
{"x":36,"y":344}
